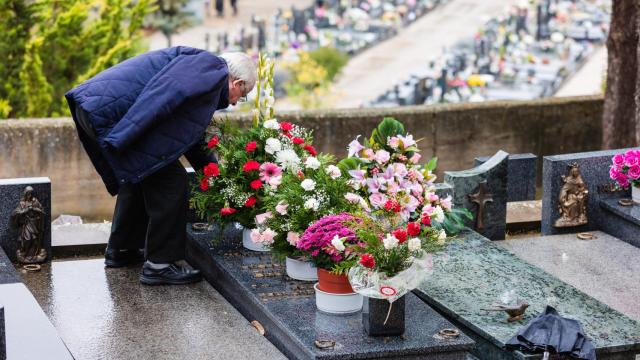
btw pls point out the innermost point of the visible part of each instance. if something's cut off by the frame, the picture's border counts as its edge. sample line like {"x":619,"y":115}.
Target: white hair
{"x":241,"y":67}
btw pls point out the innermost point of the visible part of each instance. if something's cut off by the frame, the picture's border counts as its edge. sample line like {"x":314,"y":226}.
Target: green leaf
{"x":387,"y":128}
{"x":351,"y":163}
{"x":432,"y":164}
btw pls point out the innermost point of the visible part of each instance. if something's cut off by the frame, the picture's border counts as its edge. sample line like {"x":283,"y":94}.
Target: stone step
{"x":107,"y":314}
{"x":621,"y":221}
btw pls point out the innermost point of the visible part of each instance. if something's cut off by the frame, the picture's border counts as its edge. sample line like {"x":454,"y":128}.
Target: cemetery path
{"x":213,"y":25}
{"x":377,"y":69}
{"x":588,"y":80}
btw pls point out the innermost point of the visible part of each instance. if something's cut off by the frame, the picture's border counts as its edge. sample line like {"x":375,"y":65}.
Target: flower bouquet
{"x":253,"y":160}
{"x":625,"y":170}
{"x":316,"y":190}
{"x":386,"y":176}
{"x":392,"y":260}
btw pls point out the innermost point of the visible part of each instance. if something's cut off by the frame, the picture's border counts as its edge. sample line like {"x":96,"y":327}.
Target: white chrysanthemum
{"x":337,"y":243}
{"x":308,"y":184}
{"x":272,"y":146}
{"x":271,"y":124}
{"x":288,"y":159}
{"x":312,"y":204}
{"x":390,"y":242}
{"x":414,"y":244}
{"x":333,"y":171}
{"x":438,"y":214}
{"x":312,"y":163}
{"x":442,"y":237}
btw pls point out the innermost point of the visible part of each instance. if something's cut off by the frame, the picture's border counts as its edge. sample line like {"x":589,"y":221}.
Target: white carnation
{"x":312,"y":204}
{"x":333,"y":171}
{"x":438,"y":214}
{"x":337,"y":243}
{"x":288,"y":159}
{"x":272,"y":146}
{"x":308,"y":184}
{"x":271,"y":124}
{"x":312,"y":163}
{"x":390,"y":242}
{"x":414,"y":244}
{"x":442,"y":237}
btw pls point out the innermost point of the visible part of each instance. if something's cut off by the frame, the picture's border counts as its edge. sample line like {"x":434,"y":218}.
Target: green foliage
{"x":171,"y":16}
{"x":53,"y":45}
{"x":387,"y":128}
{"x":454,"y":221}
{"x":331,"y":59}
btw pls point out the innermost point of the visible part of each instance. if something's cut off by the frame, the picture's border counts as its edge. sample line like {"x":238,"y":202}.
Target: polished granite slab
{"x":258,"y":287}
{"x":473,"y":272}
{"x":620,"y":221}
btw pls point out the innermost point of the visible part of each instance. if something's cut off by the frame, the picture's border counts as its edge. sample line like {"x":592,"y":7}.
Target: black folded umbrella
{"x":555,"y":334}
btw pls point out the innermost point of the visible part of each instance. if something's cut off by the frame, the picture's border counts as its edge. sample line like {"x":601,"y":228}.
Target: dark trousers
{"x":153,"y":215}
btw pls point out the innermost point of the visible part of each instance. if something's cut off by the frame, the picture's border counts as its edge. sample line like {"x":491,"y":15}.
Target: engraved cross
{"x":482,"y":197}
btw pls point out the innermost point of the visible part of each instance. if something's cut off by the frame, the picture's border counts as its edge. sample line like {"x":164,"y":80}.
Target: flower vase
{"x":382,"y":318}
{"x":301,"y":270}
{"x":334,"y":294}
{"x":635,"y":194}
{"x":249,"y":244}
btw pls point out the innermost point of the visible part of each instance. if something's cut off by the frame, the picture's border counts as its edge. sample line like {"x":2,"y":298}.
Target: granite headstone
{"x":11,"y":192}
{"x":594,"y":168}
{"x":483,"y":191}
{"x":521,"y":184}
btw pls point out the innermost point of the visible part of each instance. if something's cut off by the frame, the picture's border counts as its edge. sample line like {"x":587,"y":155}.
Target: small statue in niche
{"x":29,"y":218}
{"x":572,"y":201}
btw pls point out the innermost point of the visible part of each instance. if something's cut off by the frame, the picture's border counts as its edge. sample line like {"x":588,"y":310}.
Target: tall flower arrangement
{"x":252,"y":160}
{"x":386,"y":177}
{"x":316,"y":190}
{"x":625,"y":169}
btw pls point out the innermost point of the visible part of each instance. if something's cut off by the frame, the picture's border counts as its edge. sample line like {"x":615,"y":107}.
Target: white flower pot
{"x":249,"y":244}
{"x":635,"y":194}
{"x":338,"y":303}
{"x":301,"y":270}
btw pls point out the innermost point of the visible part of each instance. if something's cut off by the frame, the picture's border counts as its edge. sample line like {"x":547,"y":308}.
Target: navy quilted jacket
{"x":149,"y":110}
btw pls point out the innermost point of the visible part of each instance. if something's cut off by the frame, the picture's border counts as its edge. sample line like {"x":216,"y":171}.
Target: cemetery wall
{"x":456,"y":133}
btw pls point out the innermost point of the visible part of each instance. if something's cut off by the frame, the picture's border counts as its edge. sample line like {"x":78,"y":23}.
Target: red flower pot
{"x":332,"y":283}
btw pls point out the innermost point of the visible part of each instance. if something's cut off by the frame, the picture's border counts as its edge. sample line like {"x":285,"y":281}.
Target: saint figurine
{"x":29,"y":218}
{"x":572,"y":201}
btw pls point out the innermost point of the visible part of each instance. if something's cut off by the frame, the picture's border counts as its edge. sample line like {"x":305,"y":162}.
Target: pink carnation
{"x":634,"y":172}
{"x":269,"y":170}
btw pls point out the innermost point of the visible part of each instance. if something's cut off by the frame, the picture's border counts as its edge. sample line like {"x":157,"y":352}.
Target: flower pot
{"x":332,"y":283}
{"x":376,"y":311}
{"x":301,"y":270}
{"x":337,"y":303}
{"x":249,"y":244}
{"x":635,"y":194}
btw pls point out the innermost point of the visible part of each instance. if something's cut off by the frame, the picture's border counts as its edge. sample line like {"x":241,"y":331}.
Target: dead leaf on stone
{"x":258,"y":327}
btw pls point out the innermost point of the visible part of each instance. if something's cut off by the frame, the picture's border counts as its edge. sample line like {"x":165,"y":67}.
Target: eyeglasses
{"x":243,"y":98}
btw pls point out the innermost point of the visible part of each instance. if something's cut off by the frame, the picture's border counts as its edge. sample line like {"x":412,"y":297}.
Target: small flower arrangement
{"x":625,"y":169}
{"x":253,"y":160}
{"x":386,"y":177}
{"x":316,"y":190}
{"x":331,"y":241}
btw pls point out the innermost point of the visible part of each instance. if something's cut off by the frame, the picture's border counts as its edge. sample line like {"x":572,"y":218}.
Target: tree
{"x":621,"y":118}
{"x":171,"y":17}
{"x":56,"y":44}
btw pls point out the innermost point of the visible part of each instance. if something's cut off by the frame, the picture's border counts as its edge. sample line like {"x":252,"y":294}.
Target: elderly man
{"x":135,"y":120}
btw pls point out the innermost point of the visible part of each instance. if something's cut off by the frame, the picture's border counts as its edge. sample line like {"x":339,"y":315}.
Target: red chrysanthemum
{"x":251,"y":146}
{"x":252,"y":200}
{"x":311,"y":150}
{"x":251,"y":165}
{"x":211,"y":170}
{"x":256,"y":184}
{"x":400,"y":234}
{"x":298,"y":141}
{"x":227,"y":211}
{"x":367,"y":261}
{"x":392,"y":205}
{"x":413,"y":228}
{"x":204,"y":184}
{"x":426,"y":220}
{"x":213,"y":142}
{"x":286,"y":126}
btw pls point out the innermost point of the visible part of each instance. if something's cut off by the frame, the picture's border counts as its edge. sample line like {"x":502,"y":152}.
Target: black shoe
{"x":171,"y":275}
{"x":115,"y":258}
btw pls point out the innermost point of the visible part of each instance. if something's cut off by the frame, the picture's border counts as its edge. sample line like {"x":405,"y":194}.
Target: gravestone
{"x":483,"y":191}
{"x":11,"y":192}
{"x":594,"y":168}
{"x":443,"y":190}
{"x":521,"y":184}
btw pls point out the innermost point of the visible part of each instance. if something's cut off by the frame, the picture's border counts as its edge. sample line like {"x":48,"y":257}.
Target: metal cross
{"x":482,"y":197}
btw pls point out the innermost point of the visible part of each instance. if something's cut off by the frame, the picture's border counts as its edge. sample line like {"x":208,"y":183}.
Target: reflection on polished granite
{"x":107,"y":314}
{"x":473,"y":272}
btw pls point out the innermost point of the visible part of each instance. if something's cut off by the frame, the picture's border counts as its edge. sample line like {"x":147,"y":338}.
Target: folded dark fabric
{"x":551,"y":332}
